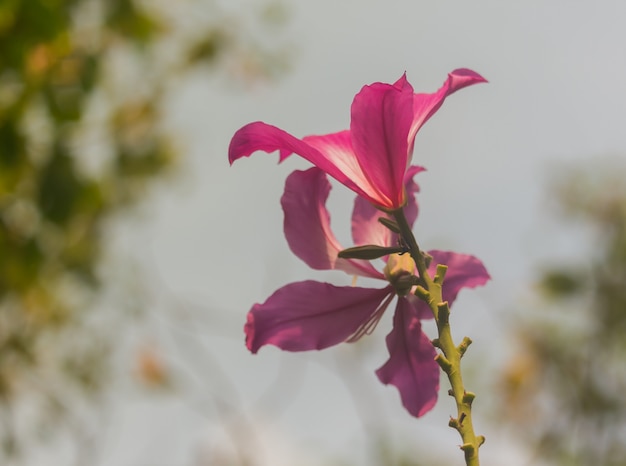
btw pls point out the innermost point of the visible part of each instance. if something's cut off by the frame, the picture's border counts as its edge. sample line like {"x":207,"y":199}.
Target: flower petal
{"x":412,"y":188}
{"x":382,"y":115}
{"x":411,"y":367}
{"x":366,"y":229}
{"x":338,"y":148}
{"x":332,"y":153}
{"x":307,"y":225}
{"x":425,"y":105}
{"x":464,"y":271}
{"x":311,"y":315}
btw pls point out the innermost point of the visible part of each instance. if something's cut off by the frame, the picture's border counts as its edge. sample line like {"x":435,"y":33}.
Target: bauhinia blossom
{"x":311,"y":315}
{"x":372,"y":157}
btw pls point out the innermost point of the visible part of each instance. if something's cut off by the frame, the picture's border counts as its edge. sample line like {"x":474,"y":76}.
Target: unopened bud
{"x":397,"y":265}
{"x":369,"y":252}
{"x":399,"y":271}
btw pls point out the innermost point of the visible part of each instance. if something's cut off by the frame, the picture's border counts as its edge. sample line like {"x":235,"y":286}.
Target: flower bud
{"x":369,"y":252}
{"x":399,"y":271}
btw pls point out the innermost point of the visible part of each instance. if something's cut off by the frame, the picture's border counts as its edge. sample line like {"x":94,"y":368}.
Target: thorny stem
{"x":450,"y":360}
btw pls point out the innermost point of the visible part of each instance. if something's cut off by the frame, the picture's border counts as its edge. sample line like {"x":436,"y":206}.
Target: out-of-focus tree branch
{"x":563,"y":391}
{"x":83,"y":84}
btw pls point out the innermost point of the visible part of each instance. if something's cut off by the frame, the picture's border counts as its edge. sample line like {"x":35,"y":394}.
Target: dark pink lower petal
{"x":312,"y":315}
{"x":464,"y":271}
{"x":307,"y":225}
{"x":366,"y":229}
{"x":412,"y":188}
{"x":411,"y":367}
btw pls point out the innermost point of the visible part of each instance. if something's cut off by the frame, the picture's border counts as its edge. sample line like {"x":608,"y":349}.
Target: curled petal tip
{"x":402,"y":81}
{"x":259,"y":136}
{"x":250,"y":333}
{"x":239,"y":144}
{"x":466,"y":77}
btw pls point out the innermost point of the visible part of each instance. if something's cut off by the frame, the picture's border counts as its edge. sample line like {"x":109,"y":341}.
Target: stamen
{"x":370,"y":324}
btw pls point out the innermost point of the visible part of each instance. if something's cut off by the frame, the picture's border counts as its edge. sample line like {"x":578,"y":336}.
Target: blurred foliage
{"x":564,"y":390}
{"x":83,"y":85}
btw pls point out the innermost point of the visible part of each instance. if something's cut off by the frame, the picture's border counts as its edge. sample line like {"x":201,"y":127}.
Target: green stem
{"x":450,"y":360}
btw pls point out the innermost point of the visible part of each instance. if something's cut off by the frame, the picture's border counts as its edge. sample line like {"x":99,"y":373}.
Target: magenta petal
{"x":259,"y":136}
{"x":412,"y":188}
{"x":332,"y":153}
{"x":366,"y":229}
{"x":411,"y":367}
{"x":307,"y":225}
{"x":464,"y":271}
{"x":382,"y":115}
{"x":311,"y":315}
{"x":337,"y":148}
{"x":425,"y":105}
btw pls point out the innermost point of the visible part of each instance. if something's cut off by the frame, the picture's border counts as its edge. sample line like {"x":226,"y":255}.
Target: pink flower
{"x":312,"y":315}
{"x":371,"y":158}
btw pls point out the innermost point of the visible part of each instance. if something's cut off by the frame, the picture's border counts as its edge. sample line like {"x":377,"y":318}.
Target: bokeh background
{"x":130,"y":251}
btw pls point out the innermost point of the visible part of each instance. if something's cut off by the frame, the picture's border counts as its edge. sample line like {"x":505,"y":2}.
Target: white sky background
{"x":211,"y":243}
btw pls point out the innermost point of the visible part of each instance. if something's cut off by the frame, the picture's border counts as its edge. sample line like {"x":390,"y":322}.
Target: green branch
{"x":450,"y":357}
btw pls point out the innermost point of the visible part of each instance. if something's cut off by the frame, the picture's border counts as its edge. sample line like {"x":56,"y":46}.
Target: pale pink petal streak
{"x":311,"y":315}
{"x":307,"y":225}
{"x":411,"y":367}
{"x":337,"y":147}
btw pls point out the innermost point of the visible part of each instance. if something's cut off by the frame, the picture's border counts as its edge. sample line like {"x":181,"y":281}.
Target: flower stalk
{"x":450,"y":357}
